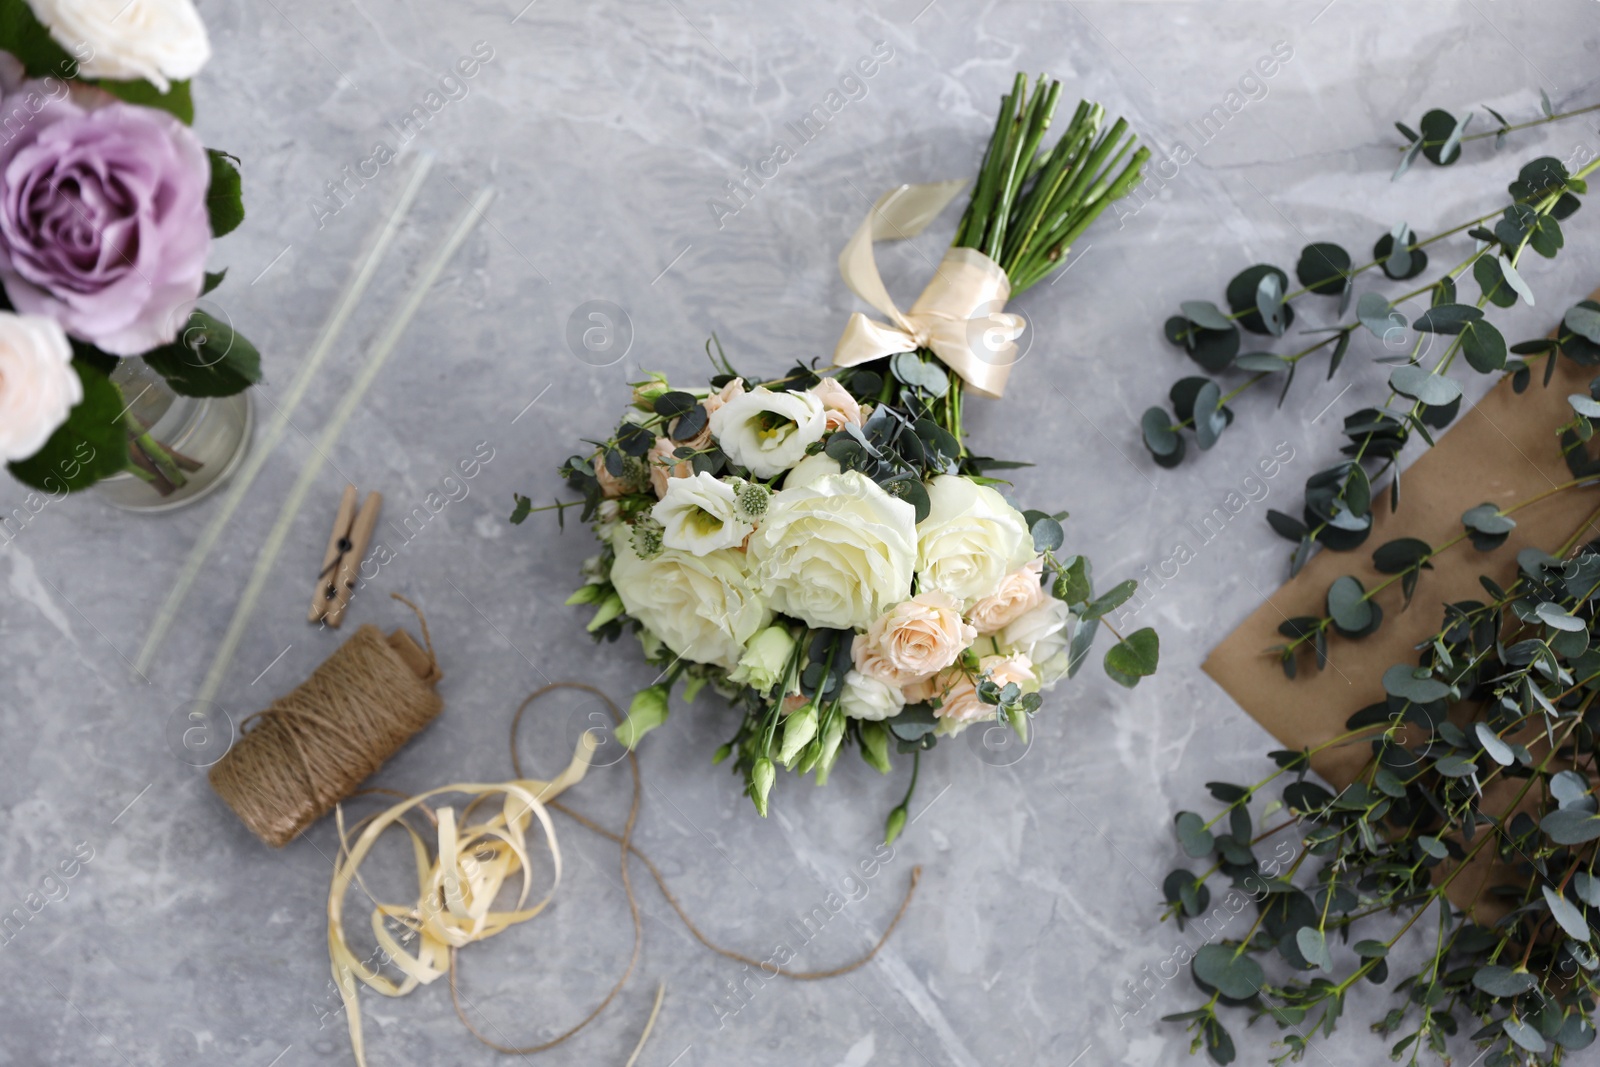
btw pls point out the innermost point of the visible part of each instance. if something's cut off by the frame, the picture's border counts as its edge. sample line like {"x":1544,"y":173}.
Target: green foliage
{"x":1481,"y":750}
{"x":209,"y":358}
{"x":225,"y":194}
{"x":1424,"y":397}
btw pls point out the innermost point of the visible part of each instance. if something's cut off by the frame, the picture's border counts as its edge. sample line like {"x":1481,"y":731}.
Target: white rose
{"x":704,"y":608}
{"x":970,"y":540}
{"x":127,"y":39}
{"x":1043,"y":636}
{"x":837,"y":553}
{"x":810,"y":469}
{"x":768,"y":432}
{"x":866,"y":697}
{"x":38,"y":387}
{"x":700,"y":515}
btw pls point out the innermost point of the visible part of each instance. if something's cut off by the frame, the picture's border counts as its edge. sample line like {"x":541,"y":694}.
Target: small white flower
{"x":127,"y":39}
{"x":700,"y":515}
{"x":768,"y":432}
{"x":866,"y":697}
{"x":808,"y":470}
{"x":38,"y":386}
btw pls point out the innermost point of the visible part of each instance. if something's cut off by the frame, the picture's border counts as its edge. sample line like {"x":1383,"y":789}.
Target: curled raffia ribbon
{"x":472,"y":861}
{"x":963,"y":304}
{"x":457,"y":887}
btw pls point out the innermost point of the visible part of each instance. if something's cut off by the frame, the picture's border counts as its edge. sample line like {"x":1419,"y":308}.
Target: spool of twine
{"x":315,"y":745}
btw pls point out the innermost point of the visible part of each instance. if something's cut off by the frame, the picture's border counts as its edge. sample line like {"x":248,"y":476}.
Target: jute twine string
{"x":312,"y":747}
{"x":625,"y":840}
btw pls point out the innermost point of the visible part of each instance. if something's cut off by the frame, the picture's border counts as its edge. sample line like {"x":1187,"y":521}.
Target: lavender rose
{"x":103,"y":222}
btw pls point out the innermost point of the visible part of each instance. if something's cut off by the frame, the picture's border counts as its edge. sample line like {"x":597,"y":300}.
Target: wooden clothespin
{"x":347,"y":546}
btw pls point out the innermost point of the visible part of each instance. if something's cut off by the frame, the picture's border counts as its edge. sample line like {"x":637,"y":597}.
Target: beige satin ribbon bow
{"x":960,"y":316}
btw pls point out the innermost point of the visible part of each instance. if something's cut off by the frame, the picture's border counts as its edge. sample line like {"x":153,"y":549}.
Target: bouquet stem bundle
{"x":1029,"y":206}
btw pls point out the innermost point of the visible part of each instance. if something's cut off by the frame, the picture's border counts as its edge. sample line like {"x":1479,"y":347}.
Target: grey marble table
{"x":611,"y":132}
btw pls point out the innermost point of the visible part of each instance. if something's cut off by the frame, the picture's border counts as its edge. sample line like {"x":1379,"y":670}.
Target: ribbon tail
{"x":864,"y":340}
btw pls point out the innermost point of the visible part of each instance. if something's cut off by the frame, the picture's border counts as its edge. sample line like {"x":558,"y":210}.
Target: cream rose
{"x":970,"y":540}
{"x":1043,"y":635}
{"x":839,"y":407}
{"x":810,"y":469}
{"x":1018,"y":594}
{"x":768,"y":432}
{"x":127,"y":39}
{"x":866,"y":697}
{"x":913,"y":640}
{"x":38,"y":385}
{"x":700,"y":515}
{"x":704,"y":608}
{"x":837,"y":553}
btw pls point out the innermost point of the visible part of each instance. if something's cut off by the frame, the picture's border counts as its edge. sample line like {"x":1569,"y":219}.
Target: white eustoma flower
{"x":837,"y":553}
{"x":704,"y":608}
{"x":700,"y":515}
{"x":38,"y":385}
{"x":769,"y":432}
{"x":970,"y":540}
{"x":156,"y":40}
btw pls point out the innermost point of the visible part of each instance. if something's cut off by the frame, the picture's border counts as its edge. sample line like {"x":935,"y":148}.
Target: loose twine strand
{"x":625,"y":840}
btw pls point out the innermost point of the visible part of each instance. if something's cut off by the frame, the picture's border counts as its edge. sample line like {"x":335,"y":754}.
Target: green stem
{"x":1498,"y":130}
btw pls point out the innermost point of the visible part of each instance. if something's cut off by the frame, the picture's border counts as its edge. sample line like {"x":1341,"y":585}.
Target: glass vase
{"x":188,"y":447}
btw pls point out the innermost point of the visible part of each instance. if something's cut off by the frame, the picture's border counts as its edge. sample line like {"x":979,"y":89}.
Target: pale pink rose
{"x":663,"y":465}
{"x":613,"y":485}
{"x":700,"y":441}
{"x":723,"y":395}
{"x":610,"y":485}
{"x":838,"y":405}
{"x":1018,"y":593}
{"x":913,"y":640}
{"x":958,"y":693}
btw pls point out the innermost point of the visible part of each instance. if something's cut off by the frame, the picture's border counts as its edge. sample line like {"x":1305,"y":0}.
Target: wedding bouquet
{"x":825,"y":549}
{"x":108,"y":204}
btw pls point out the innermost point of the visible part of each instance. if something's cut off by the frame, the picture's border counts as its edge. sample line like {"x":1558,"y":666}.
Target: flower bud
{"x":762,"y":776}
{"x":828,"y":750}
{"x":798,"y":730}
{"x":647,"y":711}
{"x":609,"y":609}
{"x":895,"y":823}
{"x":764,"y":660}
{"x":875,"y":746}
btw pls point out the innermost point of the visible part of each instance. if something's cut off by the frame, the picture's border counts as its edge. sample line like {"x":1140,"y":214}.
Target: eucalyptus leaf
{"x":1234,"y":975}
{"x":1419,"y":384}
{"x":1313,"y":945}
{"x":1566,"y":915}
{"x":1205,"y":314}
